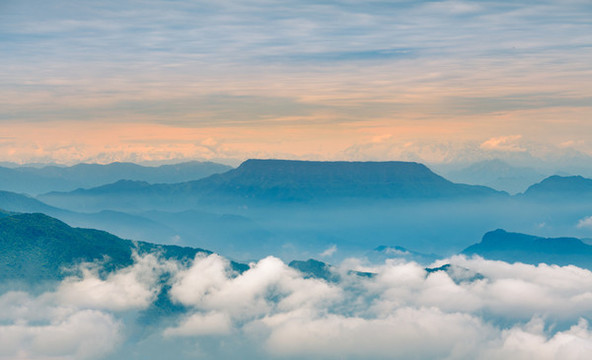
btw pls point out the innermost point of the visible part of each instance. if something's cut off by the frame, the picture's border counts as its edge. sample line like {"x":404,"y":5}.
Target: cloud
{"x":349,"y":65}
{"x":272,"y":311}
{"x":585,"y":223}
{"x":403,"y":334}
{"x":134,"y":287}
{"x":212,"y":323}
{"x":530,"y":341}
{"x":503,"y":143}
{"x":390,"y":315}
{"x":329,"y":251}
{"x":40,"y":329}
{"x":269,"y":285}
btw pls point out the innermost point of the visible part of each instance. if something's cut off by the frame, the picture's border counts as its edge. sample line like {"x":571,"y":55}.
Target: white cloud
{"x":405,"y":333}
{"x":531,"y":342}
{"x":133,"y":287}
{"x":213,"y":323}
{"x":329,"y":251}
{"x":273,"y":311}
{"x":268,"y":285}
{"x":37,"y":328}
{"x":585,"y":223}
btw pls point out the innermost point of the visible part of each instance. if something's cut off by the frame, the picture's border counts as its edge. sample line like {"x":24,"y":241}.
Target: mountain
{"x":35,"y":180}
{"x":561,"y":188}
{"x":516,"y":247}
{"x":458,"y":274}
{"x":312,"y":268}
{"x":122,"y":224}
{"x":23,"y":203}
{"x":278,"y":181}
{"x":36,"y":247}
{"x":497,"y":174}
{"x":288,"y":180}
{"x":315,"y":269}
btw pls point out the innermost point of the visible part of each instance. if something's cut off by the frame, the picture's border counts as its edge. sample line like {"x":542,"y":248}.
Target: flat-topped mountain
{"x":35,"y":180}
{"x":516,"y":247}
{"x":282,"y":181}
{"x":303,"y":180}
{"x":561,"y":188}
{"x":35,"y":247}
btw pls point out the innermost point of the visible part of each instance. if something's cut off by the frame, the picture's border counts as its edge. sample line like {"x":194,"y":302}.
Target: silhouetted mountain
{"x":516,"y":247}
{"x":273,"y":181}
{"x":561,"y":188}
{"x":315,"y":269}
{"x":312,"y":268}
{"x":496,"y":174}
{"x":458,"y":274}
{"x":34,"y":180}
{"x":287,"y":180}
{"x":36,"y":247}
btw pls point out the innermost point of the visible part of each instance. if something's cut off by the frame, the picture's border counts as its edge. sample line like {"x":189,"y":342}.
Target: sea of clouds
{"x":478,"y":309}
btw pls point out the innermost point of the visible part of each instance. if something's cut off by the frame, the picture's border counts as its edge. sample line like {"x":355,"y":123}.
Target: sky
{"x":163,"y":80}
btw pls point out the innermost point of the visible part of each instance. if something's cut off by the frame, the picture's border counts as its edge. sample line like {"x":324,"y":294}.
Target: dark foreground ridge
{"x":36,"y":247}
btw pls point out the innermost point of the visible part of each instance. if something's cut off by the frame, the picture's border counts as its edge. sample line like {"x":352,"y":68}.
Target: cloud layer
{"x":507,"y":311}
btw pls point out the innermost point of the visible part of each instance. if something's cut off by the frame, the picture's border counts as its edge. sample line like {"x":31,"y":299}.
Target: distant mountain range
{"x":277,"y":181}
{"x":497,"y":174}
{"x":37,"y":180}
{"x":516,"y":247}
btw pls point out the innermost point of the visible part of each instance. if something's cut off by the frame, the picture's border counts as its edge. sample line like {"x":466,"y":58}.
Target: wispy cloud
{"x":585,"y":223}
{"x":329,"y":251}
{"x":503,"y":143}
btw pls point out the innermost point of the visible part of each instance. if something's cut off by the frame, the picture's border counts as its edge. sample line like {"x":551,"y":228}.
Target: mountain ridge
{"x":285,"y":181}
{"x":37,"y":247}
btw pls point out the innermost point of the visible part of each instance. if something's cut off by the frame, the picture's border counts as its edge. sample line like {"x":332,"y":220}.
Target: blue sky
{"x":427,"y":80}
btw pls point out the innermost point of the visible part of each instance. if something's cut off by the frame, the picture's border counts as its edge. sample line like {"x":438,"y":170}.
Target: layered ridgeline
{"x":277,"y":181}
{"x":36,"y":247}
{"x":515,"y":247}
{"x":122,"y":224}
{"x":35,"y":180}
